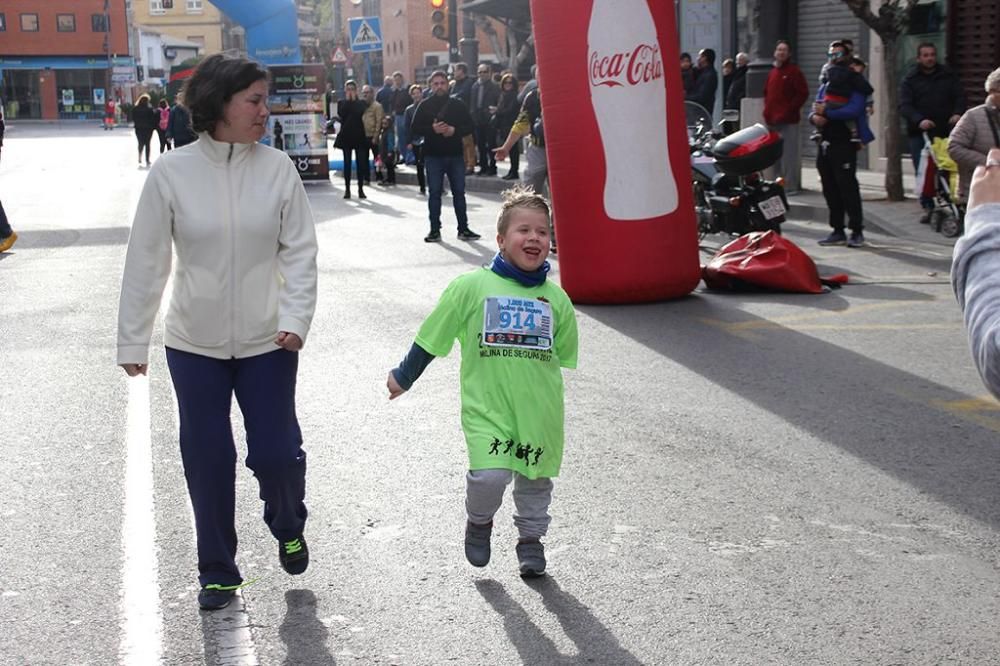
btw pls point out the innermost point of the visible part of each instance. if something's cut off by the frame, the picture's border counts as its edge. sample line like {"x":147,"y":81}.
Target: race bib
{"x":517,"y":322}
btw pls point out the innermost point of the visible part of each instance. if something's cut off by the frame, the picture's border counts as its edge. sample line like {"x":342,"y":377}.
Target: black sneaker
{"x":857,"y":239}
{"x":216,"y":597}
{"x":477,"y":543}
{"x":531,"y":559}
{"x":433,"y":237}
{"x":835,"y":238}
{"x":925,"y":217}
{"x":294,"y":555}
{"x":468,"y":235}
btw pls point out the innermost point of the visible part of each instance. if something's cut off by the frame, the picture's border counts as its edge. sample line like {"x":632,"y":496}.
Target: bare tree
{"x":889,"y":24}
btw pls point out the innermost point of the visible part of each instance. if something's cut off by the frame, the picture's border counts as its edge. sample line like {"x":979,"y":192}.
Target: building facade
{"x":62,"y":58}
{"x":195,"y":21}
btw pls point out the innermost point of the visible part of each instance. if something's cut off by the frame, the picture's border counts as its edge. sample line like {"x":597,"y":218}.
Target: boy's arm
{"x":409,"y":370}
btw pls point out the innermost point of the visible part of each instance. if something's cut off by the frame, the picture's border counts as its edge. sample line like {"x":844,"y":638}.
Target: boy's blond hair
{"x":520,"y":196}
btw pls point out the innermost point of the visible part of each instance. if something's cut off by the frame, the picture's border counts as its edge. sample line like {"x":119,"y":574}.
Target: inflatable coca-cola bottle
{"x":627,"y":93}
{"x":616,"y":141}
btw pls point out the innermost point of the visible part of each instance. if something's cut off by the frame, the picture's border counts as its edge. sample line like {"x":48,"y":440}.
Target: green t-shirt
{"x":515,"y":340}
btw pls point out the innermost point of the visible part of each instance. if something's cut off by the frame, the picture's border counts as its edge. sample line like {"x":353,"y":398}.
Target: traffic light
{"x":439,"y":19}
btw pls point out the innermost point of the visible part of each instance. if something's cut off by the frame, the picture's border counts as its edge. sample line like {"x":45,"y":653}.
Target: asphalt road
{"x":749,"y":479}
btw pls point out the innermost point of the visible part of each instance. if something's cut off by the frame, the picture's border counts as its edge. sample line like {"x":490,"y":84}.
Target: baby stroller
{"x":937,"y":179}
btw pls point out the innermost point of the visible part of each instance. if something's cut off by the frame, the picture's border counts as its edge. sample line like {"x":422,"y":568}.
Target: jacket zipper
{"x":232,"y":245}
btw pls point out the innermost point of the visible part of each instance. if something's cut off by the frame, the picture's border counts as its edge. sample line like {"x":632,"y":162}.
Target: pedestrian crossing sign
{"x":366,"y":34}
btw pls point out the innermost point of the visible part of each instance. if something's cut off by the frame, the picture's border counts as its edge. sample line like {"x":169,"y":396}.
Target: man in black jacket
{"x":179,"y":126}
{"x":706,"y":81}
{"x":738,"y":88}
{"x":483,"y":102}
{"x":932,"y":100}
{"x":837,"y":161}
{"x":443,"y":121}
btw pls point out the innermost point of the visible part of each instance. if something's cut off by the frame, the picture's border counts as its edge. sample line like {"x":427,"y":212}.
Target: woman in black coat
{"x":351,"y":137}
{"x":145,"y":121}
{"x":506,"y":113}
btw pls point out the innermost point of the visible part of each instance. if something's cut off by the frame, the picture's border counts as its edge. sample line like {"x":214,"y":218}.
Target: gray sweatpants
{"x":484,"y":493}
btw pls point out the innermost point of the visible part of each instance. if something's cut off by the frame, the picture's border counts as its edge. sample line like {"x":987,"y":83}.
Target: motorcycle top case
{"x":751,"y":149}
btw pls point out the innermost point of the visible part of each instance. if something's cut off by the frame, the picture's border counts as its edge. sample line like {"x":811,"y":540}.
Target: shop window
{"x":3,"y":22}
{"x":98,"y":23}
{"x":66,"y":22}
{"x":194,"y":7}
{"x":29,"y":22}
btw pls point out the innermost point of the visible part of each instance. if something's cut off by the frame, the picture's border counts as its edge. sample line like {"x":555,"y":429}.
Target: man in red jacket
{"x":785,"y":92}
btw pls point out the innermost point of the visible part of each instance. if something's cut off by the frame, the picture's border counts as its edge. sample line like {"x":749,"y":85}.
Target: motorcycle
{"x":731,"y":195}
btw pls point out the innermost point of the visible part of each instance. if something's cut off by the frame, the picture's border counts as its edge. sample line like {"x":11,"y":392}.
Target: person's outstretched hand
{"x":986,"y":181}
{"x":134,"y":369}
{"x":395,"y":390}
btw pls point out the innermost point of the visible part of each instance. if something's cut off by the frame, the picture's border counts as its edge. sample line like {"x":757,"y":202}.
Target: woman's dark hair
{"x":163,"y":104}
{"x":508,"y":78}
{"x":214,"y":82}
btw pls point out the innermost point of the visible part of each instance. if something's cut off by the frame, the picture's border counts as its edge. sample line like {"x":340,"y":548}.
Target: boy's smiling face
{"x":525,"y":243}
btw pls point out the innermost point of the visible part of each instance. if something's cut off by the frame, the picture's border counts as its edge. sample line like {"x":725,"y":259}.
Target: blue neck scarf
{"x":503,"y":268}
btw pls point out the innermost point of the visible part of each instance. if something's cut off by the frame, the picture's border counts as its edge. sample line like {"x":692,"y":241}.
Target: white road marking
{"x":142,"y":631}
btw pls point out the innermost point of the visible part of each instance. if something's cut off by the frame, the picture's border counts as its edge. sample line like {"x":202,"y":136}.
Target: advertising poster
{"x":296,"y":123}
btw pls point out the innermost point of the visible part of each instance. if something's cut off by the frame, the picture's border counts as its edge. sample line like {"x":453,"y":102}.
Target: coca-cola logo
{"x":642,"y":65}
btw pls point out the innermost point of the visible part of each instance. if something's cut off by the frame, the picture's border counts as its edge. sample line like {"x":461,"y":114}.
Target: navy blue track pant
{"x":265,"y":390}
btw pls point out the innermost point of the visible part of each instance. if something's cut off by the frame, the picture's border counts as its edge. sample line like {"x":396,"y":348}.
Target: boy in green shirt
{"x":517,"y":331}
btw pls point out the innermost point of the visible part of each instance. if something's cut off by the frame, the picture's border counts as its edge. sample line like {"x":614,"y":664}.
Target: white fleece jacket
{"x":238,"y":218}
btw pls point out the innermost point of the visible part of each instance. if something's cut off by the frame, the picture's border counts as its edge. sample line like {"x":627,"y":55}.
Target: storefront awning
{"x":518,"y":10}
{"x":63,"y":62}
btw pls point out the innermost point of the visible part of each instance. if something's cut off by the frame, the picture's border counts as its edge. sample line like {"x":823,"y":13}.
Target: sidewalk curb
{"x":817,"y":213}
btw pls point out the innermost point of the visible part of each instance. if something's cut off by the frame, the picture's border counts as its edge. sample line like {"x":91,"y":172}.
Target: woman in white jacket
{"x":244,"y":290}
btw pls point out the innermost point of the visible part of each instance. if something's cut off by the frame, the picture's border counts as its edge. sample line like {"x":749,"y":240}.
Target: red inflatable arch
{"x":616,"y":142}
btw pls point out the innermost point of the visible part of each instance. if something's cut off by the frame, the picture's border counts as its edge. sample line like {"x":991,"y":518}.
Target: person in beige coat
{"x":976,"y":133}
{"x":372,"y":120}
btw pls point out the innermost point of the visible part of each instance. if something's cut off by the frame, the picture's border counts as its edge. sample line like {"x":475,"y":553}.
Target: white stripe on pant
{"x":484,"y":494}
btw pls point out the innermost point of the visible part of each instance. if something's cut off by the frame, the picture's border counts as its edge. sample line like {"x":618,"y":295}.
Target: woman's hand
{"x":288,"y":341}
{"x":395,"y":390}
{"x":134,"y":369}
{"x":986,"y":182}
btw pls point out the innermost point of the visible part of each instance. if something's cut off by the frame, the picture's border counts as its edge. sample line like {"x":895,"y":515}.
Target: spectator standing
{"x":530,"y":123}
{"x":706,"y":81}
{"x":179,"y":129}
{"x":977,"y":132}
{"x":384,"y":95}
{"x":162,"y":122}
{"x":687,"y":74}
{"x":444,"y":121}
{"x":352,"y":138}
{"x":387,"y":149}
{"x":532,"y":84}
{"x":484,"y":98}
{"x":461,"y":89}
{"x":145,"y":121}
{"x":837,"y":162}
{"x":507,"y":109}
{"x":931,"y":100}
{"x":785,"y":92}
{"x":373,"y":125}
{"x":400,"y":100}
{"x":416,"y":141}
{"x":738,"y":89}
{"x":728,"y":68}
